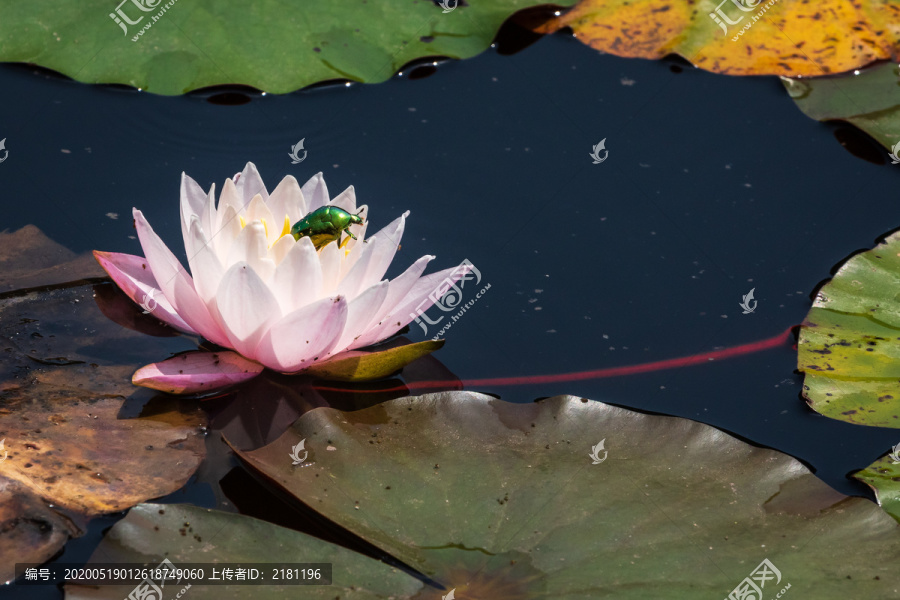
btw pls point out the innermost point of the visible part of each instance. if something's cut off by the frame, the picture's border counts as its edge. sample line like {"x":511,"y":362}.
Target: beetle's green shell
{"x":325,"y":225}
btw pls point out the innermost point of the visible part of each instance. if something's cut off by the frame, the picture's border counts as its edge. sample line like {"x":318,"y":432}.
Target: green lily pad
{"x":848,"y":342}
{"x":361,"y":365}
{"x":883,"y":476}
{"x":870,"y":100}
{"x":499,"y":500}
{"x":188,"y":534}
{"x":272,"y":45}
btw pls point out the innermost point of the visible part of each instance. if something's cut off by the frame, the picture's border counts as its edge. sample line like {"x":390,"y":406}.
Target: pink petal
{"x":247,"y":308}
{"x":360,"y":312}
{"x":305,"y":335}
{"x":195,"y":372}
{"x":176,"y":284}
{"x":398,"y":289}
{"x":417,"y":299}
{"x":134,"y":277}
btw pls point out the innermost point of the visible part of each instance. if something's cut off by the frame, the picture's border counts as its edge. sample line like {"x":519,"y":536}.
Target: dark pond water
{"x":713,"y":185}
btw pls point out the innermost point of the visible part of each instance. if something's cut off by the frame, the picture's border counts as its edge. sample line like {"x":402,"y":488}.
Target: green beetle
{"x":325,"y":225}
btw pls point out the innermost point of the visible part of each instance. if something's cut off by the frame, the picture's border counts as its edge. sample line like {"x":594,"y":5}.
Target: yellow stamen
{"x":265,"y":227}
{"x":287,"y":227}
{"x":243,"y":222}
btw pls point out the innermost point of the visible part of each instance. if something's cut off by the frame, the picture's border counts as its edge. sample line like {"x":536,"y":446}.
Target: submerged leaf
{"x":741,"y":37}
{"x":500,"y":500}
{"x":361,"y":365}
{"x":870,"y":100}
{"x":188,"y":534}
{"x":848,"y":347}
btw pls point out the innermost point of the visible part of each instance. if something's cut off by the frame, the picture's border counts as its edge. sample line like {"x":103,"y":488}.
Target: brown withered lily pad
{"x":70,"y":449}
{"x":28,"y":258}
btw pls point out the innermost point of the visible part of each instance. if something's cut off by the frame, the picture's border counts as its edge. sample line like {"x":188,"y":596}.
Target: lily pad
{"x":870,"y":100}
{"x":362,"y":365}
{"x":746,"y":37}
{"x":883,"y":476}
{"x":32,"y":531}
{"x":187,"y":534}
{"x":70,"y":453}
{"x":282,"y":46}
{"x":848,"y":347}
{"x":502,"y":500}
{"x":28,"y":258}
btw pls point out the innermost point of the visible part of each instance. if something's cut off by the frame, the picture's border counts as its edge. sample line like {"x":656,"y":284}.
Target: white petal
{"x":383,"y":246}
{"x":354,"y":248}
{"x":205,"y":265}
{"x":346,"y":200}
{"x":193,"y":202}
{"x":247,"y":308}
{"x":360,"y":312}
{"x":281,"y":248}
{"x":298,"y":278}
{"x":355,"y":280}
{"x":302,"y":337}
{"x":316,"y":193}
{"x":258,"y":210}
{"x":250,"y":184}
{"x":287,"y":199}
{"x":230,"y":197}
{"x":226,"y":234}
{"x":330,"y":259}
{"x":252,"y":247}
{"x":176,"y":284}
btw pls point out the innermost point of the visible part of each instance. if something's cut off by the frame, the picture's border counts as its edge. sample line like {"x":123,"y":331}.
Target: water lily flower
{"x":276,"y":301}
